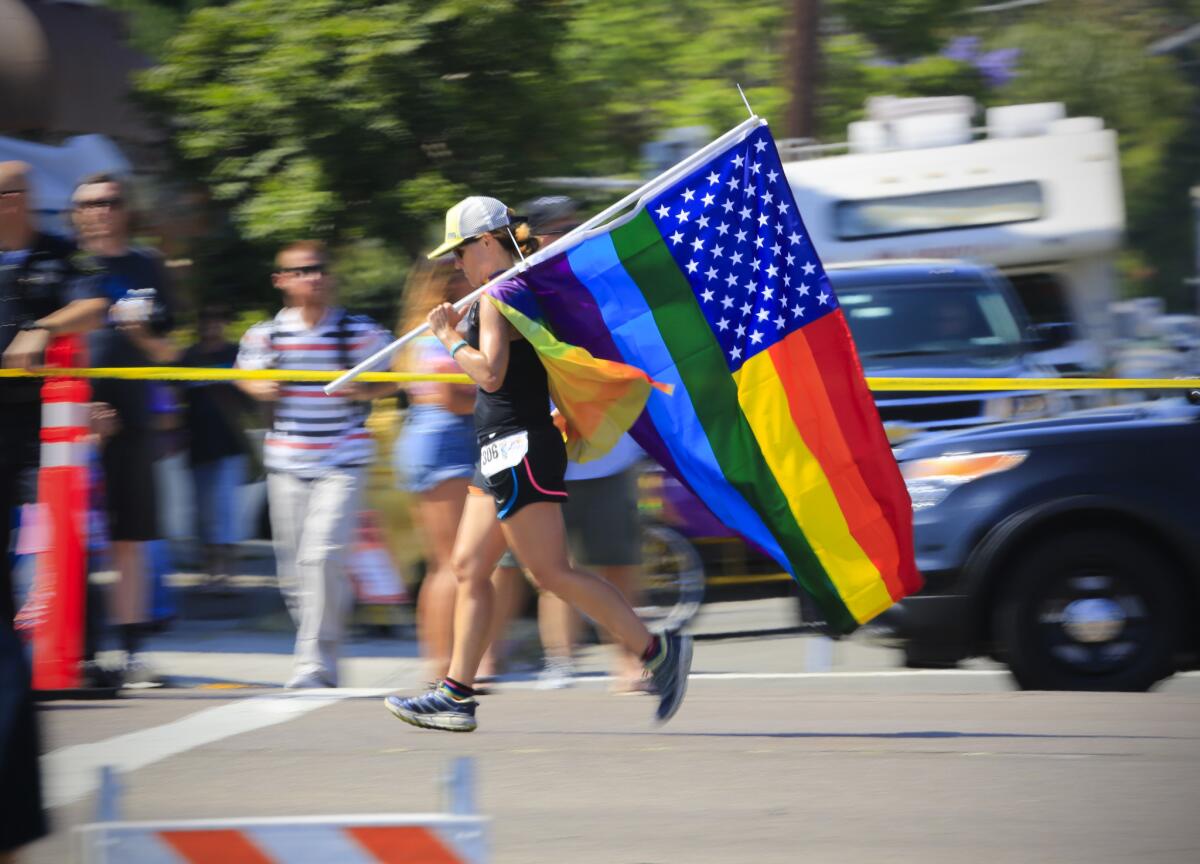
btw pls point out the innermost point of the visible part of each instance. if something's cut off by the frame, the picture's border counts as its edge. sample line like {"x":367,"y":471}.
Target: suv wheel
{"x":1089,"y":611}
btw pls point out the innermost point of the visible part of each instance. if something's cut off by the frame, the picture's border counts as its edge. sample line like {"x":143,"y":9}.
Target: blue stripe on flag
{"x":628,"y":317}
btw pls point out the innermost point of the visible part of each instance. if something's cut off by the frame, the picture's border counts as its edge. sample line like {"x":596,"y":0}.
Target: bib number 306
{"x":496,"y":456}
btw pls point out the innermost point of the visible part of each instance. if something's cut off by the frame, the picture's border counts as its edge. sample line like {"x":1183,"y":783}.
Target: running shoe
{"x":669,"y":674}
{"x":435,"y":709}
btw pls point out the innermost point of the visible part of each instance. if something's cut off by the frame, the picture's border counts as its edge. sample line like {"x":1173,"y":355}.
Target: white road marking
{"x":72,"y":772}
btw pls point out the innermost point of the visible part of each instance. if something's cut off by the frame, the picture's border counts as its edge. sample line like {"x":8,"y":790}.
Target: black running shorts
{"x":129,"y":488}
{"x":523,"y":470}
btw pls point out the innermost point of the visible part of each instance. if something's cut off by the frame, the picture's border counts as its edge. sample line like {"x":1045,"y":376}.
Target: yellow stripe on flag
{"x":809,"y":495}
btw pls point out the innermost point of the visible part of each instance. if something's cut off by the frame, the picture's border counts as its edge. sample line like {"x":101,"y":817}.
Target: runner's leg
{"x":537,"y":537}
{"x":477,"y":548}
{"x":440,"y":511}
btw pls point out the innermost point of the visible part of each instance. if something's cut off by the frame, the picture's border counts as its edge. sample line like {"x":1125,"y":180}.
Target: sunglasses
{"x":305,"y":270}
{"x":99,"y":204}
{"x":461,"y":247}
{"x":11,"y":193}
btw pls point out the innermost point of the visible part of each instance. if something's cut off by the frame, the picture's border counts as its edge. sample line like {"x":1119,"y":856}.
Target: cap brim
{"x":448,"y":246}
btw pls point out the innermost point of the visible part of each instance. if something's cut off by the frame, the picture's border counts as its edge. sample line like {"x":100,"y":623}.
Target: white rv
{"x":1034,"y":193}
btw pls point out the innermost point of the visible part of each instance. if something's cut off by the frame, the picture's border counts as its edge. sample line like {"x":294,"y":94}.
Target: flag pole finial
{"x":742,"y":93}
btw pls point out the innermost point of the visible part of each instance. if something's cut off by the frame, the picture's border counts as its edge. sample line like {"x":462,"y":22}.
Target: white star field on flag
{"x":735,"y":231}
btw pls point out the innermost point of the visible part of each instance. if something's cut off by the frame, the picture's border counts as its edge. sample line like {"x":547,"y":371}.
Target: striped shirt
{"x":312,"y":432}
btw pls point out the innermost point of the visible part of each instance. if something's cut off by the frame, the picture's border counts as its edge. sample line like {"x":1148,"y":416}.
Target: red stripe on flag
{"x":208,"y":847}
{"x":819,"y":426}
{"x":842,"y":379}
{"x":404,"y":845}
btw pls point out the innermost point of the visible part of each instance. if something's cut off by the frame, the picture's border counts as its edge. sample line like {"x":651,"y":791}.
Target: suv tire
{"x":1090,"y":610}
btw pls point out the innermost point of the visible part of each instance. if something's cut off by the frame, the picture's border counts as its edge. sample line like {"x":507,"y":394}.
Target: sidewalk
{"x":240,"y":635}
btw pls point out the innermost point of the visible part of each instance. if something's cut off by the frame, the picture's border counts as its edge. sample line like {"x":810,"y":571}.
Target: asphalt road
{"x":766,"y":761}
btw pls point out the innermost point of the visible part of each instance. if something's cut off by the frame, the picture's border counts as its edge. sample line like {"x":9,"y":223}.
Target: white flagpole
{"x":572,"y":238}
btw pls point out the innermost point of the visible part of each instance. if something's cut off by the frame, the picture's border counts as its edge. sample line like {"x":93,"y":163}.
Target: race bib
{"x":508,"y":452}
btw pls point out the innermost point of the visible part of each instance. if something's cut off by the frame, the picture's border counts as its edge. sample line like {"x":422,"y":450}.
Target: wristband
{"x":461,"y":343}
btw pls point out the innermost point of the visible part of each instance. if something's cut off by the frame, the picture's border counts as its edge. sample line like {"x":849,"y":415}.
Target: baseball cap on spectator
{"x":558,"y":212}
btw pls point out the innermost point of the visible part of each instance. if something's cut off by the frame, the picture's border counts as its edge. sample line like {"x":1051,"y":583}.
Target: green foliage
{"x":645,"y":67}
{"x":152,"y":23}
{"x":360,"y":121}
{"x":901,"y":29}
{"x":1104,"y":70}
{"x":853,"y":73}
{"x":370,"y":278}
{"x":348,"y":119}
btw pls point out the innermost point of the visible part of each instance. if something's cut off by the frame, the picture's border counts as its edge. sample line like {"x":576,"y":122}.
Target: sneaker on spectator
{"x":558,"y":673}
{"x":137,"y":674}
{"x":308,"y":681}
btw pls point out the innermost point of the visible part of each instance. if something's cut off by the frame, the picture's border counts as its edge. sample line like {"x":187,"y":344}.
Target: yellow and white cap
{"x":469,"y":218}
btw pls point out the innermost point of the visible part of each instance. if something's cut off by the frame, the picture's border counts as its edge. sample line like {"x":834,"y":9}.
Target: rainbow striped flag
{"x":711,"y":286}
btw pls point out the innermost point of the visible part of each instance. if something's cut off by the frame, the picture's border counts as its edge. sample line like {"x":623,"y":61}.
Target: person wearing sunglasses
{"x":317,"y":451}
{"x":520,"y":484}
{"x":140,"y":319}
{"x":43,"y":294}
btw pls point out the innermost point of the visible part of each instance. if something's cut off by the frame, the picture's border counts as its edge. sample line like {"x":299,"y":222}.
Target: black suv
{"x":1068,"y":548}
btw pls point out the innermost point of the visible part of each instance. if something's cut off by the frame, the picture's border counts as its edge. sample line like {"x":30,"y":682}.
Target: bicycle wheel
{"x":672,"y":580}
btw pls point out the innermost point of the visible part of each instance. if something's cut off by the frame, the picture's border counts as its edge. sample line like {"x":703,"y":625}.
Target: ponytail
{"x":518,"y":229}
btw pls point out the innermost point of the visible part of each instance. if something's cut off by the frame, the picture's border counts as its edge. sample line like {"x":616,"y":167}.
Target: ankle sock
{"x":457,"y":690}
{"x":654,"y":653}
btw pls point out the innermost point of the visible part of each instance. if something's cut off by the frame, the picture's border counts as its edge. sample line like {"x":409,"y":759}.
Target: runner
{"x":523,"y":459}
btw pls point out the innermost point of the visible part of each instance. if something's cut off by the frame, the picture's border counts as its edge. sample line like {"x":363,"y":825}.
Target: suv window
{"x":946,"y":318}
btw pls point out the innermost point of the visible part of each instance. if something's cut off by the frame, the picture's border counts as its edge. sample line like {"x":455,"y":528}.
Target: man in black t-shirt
{"x":142,"y":313}
{"x":43,"y":294}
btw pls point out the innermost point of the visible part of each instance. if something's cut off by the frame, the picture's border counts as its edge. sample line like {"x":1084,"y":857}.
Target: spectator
{"x":604,"y":535}
{"x":316,"y":451}
{"x":435,"y":457}
{"x":43,"y":294}
{"x":217,"y":449}
{"x":601,"y":516}
{"x":135,"y":280}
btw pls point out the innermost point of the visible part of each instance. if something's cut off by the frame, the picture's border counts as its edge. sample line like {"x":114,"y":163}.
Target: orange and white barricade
{"x":458,"y":836}
{"x":411,"y":839}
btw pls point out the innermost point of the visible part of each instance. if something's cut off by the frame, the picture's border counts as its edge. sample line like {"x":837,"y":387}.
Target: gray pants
{"x":313,"y":523}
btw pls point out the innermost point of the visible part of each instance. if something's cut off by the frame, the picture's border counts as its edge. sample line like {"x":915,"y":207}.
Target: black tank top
{"x":523,"y":400}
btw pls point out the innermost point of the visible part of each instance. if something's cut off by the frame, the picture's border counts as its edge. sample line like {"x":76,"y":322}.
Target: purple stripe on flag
{"x":577,"y":320}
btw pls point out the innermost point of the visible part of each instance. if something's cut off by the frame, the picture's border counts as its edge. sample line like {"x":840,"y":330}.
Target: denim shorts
{"x":434,"y":445}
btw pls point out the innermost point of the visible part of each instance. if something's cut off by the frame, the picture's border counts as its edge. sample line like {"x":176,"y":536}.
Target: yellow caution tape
{"x":184,"y":373}
{"x":977,"y":384}
{"x":180,"y":373}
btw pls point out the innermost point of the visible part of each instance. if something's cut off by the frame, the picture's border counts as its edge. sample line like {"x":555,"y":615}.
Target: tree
{"x":152,"y":23}
{"x":901,"y":29}
{"x":1104,"y":69}
{"x":350,"y":119}
{"x":646,"y":67}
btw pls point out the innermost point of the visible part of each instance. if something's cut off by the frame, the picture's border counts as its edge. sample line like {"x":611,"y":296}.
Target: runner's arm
{"x":488,"y":364}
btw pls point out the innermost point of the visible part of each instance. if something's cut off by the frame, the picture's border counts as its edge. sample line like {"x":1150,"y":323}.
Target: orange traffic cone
{"x":61,"y":580}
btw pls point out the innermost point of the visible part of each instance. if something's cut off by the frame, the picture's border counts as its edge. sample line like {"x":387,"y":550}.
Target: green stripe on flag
{"x":706,"y":375}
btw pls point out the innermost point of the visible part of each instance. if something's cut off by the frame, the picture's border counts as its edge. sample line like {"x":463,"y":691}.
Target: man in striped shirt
{"x":316,"y":452}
